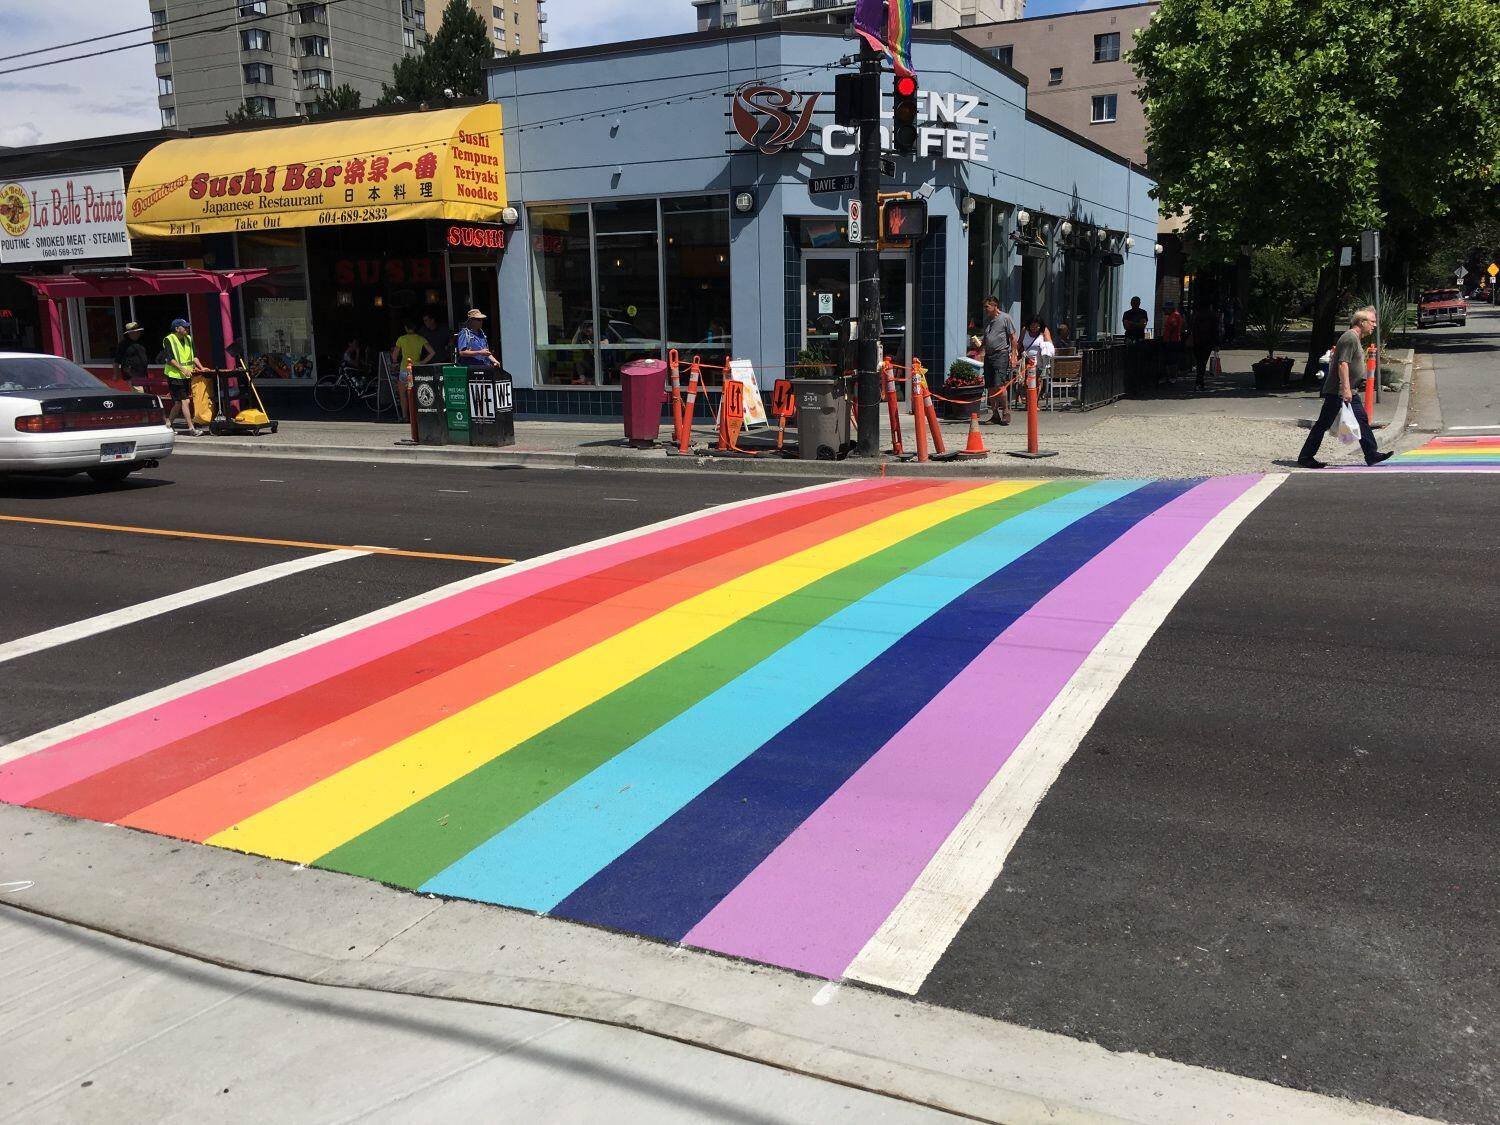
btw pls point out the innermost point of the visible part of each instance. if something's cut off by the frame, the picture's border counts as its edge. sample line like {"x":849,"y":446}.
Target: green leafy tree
{"x":1307,"y":121}
{"x":450,"y":65}
{"x":340,"y":99}
{"x":245,"y":113}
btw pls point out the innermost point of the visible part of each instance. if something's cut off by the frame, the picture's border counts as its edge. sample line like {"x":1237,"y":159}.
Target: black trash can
{"x":822,"y":418}
{"x":492,"y":418}
{"x":427,"y":390}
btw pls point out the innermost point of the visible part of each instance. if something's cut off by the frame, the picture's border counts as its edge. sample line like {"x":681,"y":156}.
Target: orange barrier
{"x":686,"y":437}
{"x":409,"y":392}
{"x":919,"y":374}
{"x":783,"y":406}
{"x":674,"y":369}
{"x":1370,"y":382}
{"x":1032,"y":436}
{"x":919,"y":416}
{"x":893,"y":406}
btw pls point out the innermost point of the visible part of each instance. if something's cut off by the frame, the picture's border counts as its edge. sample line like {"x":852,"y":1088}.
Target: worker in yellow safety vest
{"x":181,"y":365}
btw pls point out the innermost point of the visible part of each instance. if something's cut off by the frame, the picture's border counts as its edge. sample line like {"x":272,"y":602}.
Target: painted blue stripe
{"x":674,"y":876}
{"x":552,"y":851}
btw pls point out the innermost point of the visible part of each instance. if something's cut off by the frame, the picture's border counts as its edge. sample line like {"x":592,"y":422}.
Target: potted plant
{"x":813,"y":363}
{"x":965,"y":386}
{"x":1268,"y":318}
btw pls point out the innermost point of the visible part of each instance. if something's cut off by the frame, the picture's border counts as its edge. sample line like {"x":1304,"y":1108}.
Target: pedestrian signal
{"x":903,"y":221}
{"x":904,"y":110}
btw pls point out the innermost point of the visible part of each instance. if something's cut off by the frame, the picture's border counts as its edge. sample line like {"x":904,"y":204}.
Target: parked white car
{"x":56,"y":418}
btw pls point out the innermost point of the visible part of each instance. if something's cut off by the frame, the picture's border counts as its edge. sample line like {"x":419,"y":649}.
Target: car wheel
{"x":113,"y":474}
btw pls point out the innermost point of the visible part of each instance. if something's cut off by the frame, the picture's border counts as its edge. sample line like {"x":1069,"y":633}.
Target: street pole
{"x":1378,"y":326}
{"x":868,"y":260}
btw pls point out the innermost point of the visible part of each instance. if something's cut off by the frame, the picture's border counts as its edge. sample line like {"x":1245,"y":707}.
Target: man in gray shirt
{"x":1001,"y":346}
{"x":1338,"y":389}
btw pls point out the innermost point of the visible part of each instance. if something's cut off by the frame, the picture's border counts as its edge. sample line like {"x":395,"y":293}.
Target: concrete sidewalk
{"x":1176,"y":432}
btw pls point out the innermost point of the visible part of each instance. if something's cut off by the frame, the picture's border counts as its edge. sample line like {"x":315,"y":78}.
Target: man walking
{"x":1338,"y":389}
{"x":1205,"y":336}
{"x":1001,"y":348}
{"x":131,"y":360}
{"x":182,"y":364}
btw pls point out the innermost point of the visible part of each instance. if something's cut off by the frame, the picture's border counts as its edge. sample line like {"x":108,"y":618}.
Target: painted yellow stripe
{"x":218,"y":538}
{"x":335,"y":810}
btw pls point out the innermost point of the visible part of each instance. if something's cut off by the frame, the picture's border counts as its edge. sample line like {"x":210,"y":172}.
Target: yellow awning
{"x":442,"y":164}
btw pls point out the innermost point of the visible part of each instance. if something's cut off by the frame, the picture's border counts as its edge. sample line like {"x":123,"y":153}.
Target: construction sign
{"x":732,"y":415}
{"x":783,"y":402}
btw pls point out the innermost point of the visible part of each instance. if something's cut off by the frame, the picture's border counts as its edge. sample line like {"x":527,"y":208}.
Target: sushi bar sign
{"x":54,"y":218}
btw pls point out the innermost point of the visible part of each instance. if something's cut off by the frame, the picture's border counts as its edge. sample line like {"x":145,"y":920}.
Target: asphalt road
{"x":1468,"y":375}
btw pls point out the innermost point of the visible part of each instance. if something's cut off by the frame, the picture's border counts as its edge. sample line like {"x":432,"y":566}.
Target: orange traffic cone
{"x":975,"y":446}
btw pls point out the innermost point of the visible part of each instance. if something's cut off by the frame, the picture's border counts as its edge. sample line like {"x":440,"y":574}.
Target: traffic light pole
{"x":868,"y":262}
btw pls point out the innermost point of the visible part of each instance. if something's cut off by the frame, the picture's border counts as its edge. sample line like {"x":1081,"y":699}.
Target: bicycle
{"x":334,"y":393}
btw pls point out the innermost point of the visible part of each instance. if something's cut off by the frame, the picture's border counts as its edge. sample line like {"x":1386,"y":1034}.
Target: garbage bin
{"x":822,"y":418}
{"x":643,"y":388}
{"x":427,"y":389}
{"x":456,"y":402}
{"x":492,"y":419}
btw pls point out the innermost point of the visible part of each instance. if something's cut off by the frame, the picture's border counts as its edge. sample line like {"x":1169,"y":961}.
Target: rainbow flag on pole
{"x":886,"y":26}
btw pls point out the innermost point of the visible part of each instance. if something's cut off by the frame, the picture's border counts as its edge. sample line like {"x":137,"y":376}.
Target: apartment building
{"x":1076,"y":70}
{"x":274,"y":56}
{"x":929,"y":15}
{"x":516,"y":26}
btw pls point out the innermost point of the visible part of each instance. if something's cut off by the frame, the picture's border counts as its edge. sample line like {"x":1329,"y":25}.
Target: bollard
{"x":920,"y":372}
{"x":894,"y":407}
{"x":686,"y":437}
{"x":1032,"y":437}
{"x":674,"y":369}
{"x":918,"y":410}
{"x":409,"y":392}
{"x":1370,"y":383}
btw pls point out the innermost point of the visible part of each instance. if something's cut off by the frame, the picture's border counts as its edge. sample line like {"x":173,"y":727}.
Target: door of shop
{"x":829,"y":289}
{"x":476,"y":287}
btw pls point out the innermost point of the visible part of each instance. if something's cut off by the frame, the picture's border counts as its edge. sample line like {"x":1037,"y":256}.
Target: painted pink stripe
{"x":814,"y":902}
{"x":127,"y":738}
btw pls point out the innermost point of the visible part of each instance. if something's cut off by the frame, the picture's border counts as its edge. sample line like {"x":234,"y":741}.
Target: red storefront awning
{"x":139,"y":283}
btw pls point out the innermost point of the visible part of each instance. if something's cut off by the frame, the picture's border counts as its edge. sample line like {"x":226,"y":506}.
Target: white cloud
{"x":582,"y":23}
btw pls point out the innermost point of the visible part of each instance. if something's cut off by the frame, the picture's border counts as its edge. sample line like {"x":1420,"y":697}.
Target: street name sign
{"x":822,"y":185}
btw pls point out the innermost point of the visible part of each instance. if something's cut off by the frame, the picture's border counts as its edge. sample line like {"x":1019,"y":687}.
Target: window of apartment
{"x":257,"y":74}
{"x":421,"y":18}
{"x":252,"y":8}
{"x":1104,"y":106}
{"x":255,"y":40}
{"x":1107,"y":47}
{"x":1054,"y":76}
{"x":312,"y":13}
{"x":169,"y":118}
{"x":408,"y":37}
{"x":518,"y":39}
{"x":261,"y":107}
{"x":159,"y":18}
{"x":1005,"y":54}
{"x":499,"y":35}
{"x":498,"y":13}
{"x":164,"y":85}
{"x":315,"y":46}
{"x":408,"y":9}
{"x":731,"y":19}
{"x":163,"y":52}
{"x":317,"y":80}
{"x":921,"y":12}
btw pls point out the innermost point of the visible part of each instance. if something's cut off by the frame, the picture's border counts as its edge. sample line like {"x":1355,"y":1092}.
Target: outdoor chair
{"x":1066,"y":380}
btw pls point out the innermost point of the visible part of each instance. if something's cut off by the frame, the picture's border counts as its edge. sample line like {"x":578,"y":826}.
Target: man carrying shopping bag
{"x":1338,"y":393}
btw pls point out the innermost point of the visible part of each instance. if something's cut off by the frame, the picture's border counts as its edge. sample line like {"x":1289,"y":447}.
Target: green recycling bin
{"x":456,"y":403}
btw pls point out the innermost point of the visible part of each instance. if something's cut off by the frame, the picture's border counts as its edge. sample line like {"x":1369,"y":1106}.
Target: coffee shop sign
{"x":772,"y":120}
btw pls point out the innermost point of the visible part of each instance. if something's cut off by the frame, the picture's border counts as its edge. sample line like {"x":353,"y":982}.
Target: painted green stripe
{"x":417,"y":843}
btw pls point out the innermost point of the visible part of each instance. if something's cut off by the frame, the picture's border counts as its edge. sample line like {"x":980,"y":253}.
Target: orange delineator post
{"x":1370,"y":382}
{"x":918,"y":412}
{"x":674,"y":369}
{"x":1033,"y":439}
{"x":894,"y":407}
{"x":919,"y":372}
{"x":409,"y":392}
{"x":686,"y":436}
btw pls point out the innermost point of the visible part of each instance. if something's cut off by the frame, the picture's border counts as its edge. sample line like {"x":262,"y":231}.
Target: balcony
{"x":541,"y":16}
{"x":801,"y":7}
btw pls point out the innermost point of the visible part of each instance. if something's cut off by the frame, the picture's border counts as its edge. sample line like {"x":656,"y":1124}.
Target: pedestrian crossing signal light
{"x":904,"y":110}
{"x":902,"y":221}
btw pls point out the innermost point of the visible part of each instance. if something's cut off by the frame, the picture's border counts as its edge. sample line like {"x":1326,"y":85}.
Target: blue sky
{"x":1056,"y":7}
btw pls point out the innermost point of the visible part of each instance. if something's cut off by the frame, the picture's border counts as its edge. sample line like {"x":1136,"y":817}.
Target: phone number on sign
{"x":355,"y":215}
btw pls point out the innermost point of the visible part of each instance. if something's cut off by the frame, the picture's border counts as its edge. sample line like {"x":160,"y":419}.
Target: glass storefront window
{"x":563,"y":299}
{"x":278,"y":317}
{"x":599,"y":272}
{"x":989,"y":258}
{"x":99,"y":319}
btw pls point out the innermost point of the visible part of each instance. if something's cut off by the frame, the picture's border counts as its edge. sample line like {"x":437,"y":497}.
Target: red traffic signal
{"x":903,"y":220}
{"x":904,"y":110}
{"x":906,"y":86}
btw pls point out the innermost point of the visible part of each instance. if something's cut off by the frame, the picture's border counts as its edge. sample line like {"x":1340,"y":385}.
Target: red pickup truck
{"x":1441,"y":306}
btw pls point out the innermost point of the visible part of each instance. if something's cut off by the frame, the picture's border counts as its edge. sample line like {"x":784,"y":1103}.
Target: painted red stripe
{"x":114,"y":793}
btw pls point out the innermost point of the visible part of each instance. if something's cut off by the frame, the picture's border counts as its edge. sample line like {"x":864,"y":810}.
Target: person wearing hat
{"x":131,"y":360}
{"x":473,"y":345}
{"x":181,"y":365}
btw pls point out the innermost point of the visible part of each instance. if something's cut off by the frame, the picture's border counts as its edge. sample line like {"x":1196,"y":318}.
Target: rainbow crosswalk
{"x":749,"y":730}
{"x":1450,"y":453}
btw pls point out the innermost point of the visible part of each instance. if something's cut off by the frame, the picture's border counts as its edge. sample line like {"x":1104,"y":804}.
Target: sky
{"x":116,"y":93}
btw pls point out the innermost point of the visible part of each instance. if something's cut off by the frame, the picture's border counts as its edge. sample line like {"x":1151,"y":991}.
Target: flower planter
{"x":964,"y":399}
{"x":1272,"y":373}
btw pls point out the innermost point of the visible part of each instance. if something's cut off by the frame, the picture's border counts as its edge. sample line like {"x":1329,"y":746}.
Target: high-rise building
{"x":931,"y":15}
{"x":273,"y":57}
{"x":516,"y":26}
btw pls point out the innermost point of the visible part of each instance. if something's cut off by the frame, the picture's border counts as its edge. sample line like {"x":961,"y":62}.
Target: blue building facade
{"x":669,"y":197}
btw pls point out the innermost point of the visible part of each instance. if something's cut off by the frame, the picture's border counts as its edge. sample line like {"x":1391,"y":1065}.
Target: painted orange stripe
{"x":486,"y":559}
{"x":216,"y":803}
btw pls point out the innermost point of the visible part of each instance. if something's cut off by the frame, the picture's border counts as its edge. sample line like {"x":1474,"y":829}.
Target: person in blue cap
{"x":181,"y":365}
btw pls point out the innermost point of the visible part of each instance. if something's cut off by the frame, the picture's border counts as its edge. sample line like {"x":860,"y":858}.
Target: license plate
{"x":117,"y":451}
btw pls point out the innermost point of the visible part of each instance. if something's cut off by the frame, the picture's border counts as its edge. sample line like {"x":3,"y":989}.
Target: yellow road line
{"x":252,"y":539}
{"x":333,"y":811}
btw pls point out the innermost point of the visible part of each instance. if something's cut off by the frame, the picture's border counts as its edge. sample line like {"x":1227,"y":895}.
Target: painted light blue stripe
{"x":545,"y":856}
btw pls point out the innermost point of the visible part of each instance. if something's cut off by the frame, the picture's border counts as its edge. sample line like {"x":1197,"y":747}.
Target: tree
{"x":449,"y":66}
{"x":1307,"y":121}
{"x":245,"y":113}
{"x":340,"y":99}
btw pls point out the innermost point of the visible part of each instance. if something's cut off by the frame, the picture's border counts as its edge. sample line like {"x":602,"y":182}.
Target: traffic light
{"x":904,"y":110}
{"x":856,"y":98}
{"x":902,"y":221}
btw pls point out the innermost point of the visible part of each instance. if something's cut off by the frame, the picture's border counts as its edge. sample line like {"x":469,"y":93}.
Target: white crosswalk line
{"x":104,"y":622}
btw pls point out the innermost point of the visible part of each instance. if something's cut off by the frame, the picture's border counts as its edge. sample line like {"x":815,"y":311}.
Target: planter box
{"x":965,"y":395}
{"x":1272,"y":373}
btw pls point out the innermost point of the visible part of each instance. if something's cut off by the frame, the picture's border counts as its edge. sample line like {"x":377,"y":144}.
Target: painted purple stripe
{"x":814,"y":902}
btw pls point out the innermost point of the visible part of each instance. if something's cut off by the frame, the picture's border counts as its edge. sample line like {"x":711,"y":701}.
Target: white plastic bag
{"x":1346,"y":428}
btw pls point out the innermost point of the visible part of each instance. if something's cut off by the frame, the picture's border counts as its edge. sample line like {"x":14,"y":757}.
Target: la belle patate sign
{"x":51,"y":218}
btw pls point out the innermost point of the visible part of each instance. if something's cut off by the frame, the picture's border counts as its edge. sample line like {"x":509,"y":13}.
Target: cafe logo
{"x":426,"y":396}
{"x":15,"y":210}
{"x":771,"y":119}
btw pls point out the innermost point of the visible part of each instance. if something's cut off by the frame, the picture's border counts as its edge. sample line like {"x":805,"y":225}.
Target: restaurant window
{"x":314,"y":46}
{"x":257,"y":74}
{"x":989,"y":259}
{"x":564,"y":295}
{"x":100,"y":323}
{"x":599,"y":278}
{"x":275,"y":310}
{"x":1107,"y":47}
{"x":163,"y":52}
{"x":255,"y":40}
